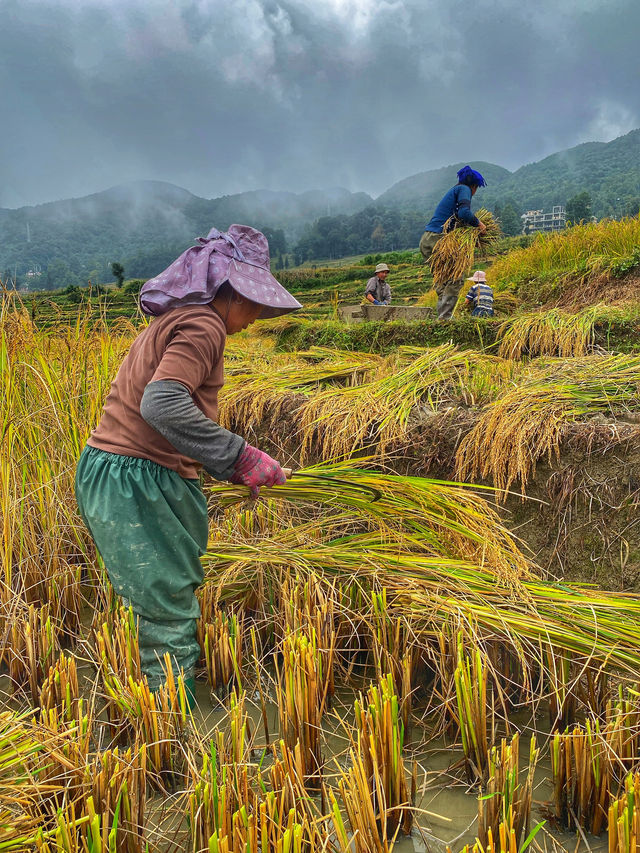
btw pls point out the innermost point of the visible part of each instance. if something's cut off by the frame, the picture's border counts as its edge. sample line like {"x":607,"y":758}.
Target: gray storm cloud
{"x":221,"y":97}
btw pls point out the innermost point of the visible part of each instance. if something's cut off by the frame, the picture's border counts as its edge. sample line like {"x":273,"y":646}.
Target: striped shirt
{"x":482,"y":297}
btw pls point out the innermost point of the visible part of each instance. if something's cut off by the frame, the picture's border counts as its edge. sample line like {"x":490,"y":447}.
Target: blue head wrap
{"x":470,"y":177}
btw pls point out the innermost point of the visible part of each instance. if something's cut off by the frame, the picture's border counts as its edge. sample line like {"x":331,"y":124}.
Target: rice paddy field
{"x":428,"y":639}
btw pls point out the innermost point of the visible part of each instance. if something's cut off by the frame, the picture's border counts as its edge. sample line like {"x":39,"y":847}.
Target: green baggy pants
{"x":150,"y":526}
{"x":448,"y":291}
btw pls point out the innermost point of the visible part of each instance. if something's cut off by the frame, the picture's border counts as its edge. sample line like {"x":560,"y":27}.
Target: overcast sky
{"x":222,"y":96}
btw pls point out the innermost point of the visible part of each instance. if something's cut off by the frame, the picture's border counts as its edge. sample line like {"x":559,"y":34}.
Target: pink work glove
{"x":255,"y":468}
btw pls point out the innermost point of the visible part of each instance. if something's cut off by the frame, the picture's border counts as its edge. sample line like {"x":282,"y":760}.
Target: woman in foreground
{"x":138,"y":479}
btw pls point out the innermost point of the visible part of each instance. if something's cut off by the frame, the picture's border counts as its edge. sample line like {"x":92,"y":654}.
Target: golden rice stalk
{"x":61,"y":691}
{"x":238,"y":744}
{"x":35,"y":642}
{"x":259,"y":391}
{"x":231,"y":805}
{"x":289,"y":795}
{"x":363,"y":800}
{"x":80,"y":827}
{"x":524,"y":425}
{"x":225,"y":782}
{"x":221,"y":640}
{"x":266,"y":831}
{"x":504,"y":841}
{"x":624,"y":818}
{"x":380,"y":745}
{"x":66,"y":836}
{"x":337,"y":421}
{"x":448,"y":521}
{"x":622,"y":732}
{"x":507,"y":800}
{"x":471,"y":678}
{"x":531,"y":419}
{"x":118,"y":791}
{"x":394,"y":650}
{"x":568,"y":260}
{"x":50,"y":397}
{"x":212,"y":801}
{"x":61,"y":766}
{"x":118,"y":658}
{"x":454,"y":252}
{"x":161,"y":720}
{"x":434,"y":590}
{"x":580,"y":764}
{"x":308,"y":606}
{"x":301,"y":696}
{"x":24,"y":794}
{"x":549,"y":333}
{"x":286,"y":778}
{"x":368,"y":835}
{"x":17,"y":831}
{"x":16,"y":327}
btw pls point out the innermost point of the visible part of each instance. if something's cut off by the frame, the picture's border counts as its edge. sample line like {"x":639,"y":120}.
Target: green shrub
{"x":133,"y":286}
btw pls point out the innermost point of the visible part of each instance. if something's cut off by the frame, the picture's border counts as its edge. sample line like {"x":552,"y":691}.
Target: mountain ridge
{"x":145,"y":224}
{"x":609,"y":171}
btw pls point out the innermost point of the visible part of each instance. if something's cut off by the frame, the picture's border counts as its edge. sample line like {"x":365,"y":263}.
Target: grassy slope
{"x":586,"y":265}
{"x":556,"y":264}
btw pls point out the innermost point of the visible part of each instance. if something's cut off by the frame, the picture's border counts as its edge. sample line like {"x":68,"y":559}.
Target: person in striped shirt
{"x":479,"y":299}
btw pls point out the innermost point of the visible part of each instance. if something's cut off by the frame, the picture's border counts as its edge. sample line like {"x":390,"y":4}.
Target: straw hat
{"x":382,"y":268}
{"x":239,"y":256}
{"x":478,"y":276}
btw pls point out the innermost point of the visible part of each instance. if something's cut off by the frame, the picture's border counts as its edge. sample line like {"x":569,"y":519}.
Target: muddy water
{"x":446,"y":808}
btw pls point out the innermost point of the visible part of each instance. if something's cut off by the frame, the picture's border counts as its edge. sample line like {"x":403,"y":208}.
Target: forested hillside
{"x":143,"y":226}
{"x":608,"y":172}
{"x":423,"y":191}
{"x":373,"y":229}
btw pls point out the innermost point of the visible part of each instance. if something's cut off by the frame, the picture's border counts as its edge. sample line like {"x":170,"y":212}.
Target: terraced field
{"x":430,"y":636}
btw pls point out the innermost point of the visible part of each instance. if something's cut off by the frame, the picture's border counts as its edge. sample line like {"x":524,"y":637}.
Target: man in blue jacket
{"x":456,"y":202}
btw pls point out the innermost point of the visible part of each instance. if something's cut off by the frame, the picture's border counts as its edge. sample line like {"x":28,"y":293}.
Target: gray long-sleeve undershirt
{"x":167,"y":406}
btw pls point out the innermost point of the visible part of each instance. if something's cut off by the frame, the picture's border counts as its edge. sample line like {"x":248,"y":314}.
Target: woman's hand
{"x":254,"y":468}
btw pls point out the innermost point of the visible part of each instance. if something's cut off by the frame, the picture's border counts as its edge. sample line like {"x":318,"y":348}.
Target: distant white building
{"x":538,"y":220}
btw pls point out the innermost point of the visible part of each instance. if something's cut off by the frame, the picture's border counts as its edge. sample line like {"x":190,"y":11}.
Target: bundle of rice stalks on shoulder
{"x":453,"y":254}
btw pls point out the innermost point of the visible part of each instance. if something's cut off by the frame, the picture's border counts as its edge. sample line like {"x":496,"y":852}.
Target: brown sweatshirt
{"x":185,"y":345}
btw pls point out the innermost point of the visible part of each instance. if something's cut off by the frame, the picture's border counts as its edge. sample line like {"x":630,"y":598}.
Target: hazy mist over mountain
{"x":145,"y":224}
{"x":226,"y":97}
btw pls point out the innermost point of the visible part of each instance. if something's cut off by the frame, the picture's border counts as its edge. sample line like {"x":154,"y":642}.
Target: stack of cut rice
{"x":453,"y":254}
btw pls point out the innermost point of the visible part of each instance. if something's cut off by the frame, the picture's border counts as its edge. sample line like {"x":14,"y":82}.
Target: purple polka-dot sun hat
{"x":239,"y":256}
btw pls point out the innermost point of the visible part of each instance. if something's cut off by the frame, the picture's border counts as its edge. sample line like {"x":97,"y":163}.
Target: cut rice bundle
{"x":453,"y":254}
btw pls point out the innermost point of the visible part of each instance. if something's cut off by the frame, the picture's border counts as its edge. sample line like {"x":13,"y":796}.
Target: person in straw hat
{"x":138,"y":479}
{"x":479,"y":299}
{"x":455,"y":206}
{"x":377,"y":290}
